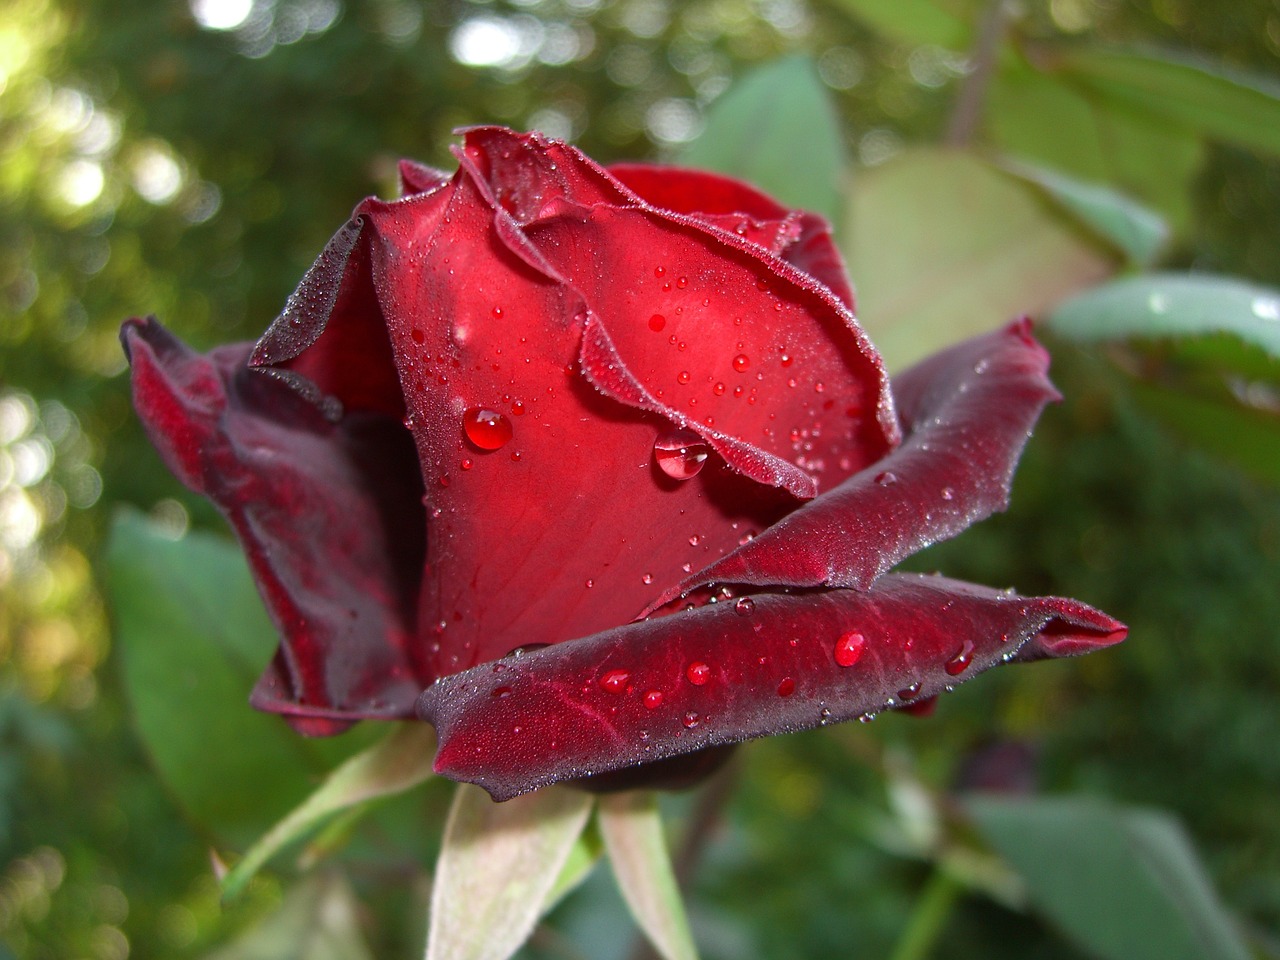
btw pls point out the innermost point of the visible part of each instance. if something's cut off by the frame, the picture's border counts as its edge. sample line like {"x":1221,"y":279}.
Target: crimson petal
{"x":730,"y":672}
{"x":967,"y":413}
{"x":329,"y":514}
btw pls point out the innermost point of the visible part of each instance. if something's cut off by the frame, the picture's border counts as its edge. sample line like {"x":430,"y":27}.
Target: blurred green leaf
{"x":316,"y":921}
{"x":583,"y":857}
{"x":498,"y":867}
{"x":397,"y":762}
{"x":1124,"y":883}
{"x":1173,"y":305}
{"x":1233,"y":107}
{"x":1223,"y":427}
{"x":777,"y":129}
{"x":946,"y":24}
{"x":1136,"y":231}
{"x":632,"y":829}
{"x":944,"y":246}
{"x":192,"y":636}
{"x":1034,"y":116}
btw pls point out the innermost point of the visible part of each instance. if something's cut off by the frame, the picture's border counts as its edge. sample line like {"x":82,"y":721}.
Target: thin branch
{"x":967,"y":112}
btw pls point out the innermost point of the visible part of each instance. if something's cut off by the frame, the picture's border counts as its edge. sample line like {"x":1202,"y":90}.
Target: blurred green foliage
{"x":152,"y":162}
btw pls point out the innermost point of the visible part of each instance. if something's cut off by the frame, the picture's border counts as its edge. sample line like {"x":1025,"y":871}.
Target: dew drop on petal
{"x":698,"y":673}
{"x":909,"y":691}
{"x":824,"y":716}
{"x":787,"y":687}
{"x":680,"y":454}
{"x":615,"y":681}
{"x":486,"y":428}
{"x":960,"y":660}
{"x":886,"y":478}
{"x":744,"y":606}
{"x":501,"y":692}
{"x":948,"y":493}
{"x":741,"y":362}
{"x":850,"y":648}
{"x":653,"y":699}
{"x":683,"y":377}
{"x":647,"y":579}
{"x":657,"y":322}
{"x":691,"y":719}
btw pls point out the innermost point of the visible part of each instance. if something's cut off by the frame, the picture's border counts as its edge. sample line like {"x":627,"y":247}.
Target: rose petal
{"x":419,"y":178}
{"x":801,"y":238}
{"x":723,"y":674}
{"x":526,"y":544}
{"x":700,"y":326}
{"x":328,"y":513}
{"x":967,"y":412}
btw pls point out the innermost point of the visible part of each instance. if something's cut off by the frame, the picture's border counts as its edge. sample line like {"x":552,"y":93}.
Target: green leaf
{"x":776,"y":129}
{"x":633,"y":837}
{"x":1173,"y":305}
{"x":394,"y":764}
{"x":944,"y":246}
{"x":317,"y":921}
{"x":498,"y":867}
{"x":1038,"y":117}
{"x":586,"y":853}
{"x":946,"y":23}
{"x":1124,"y":883}
{"x":192,"y":636}
{"x":1234,"y":107}
{"x":1132,"y":228}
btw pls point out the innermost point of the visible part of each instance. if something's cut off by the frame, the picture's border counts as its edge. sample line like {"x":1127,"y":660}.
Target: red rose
{"x":539,"y":401}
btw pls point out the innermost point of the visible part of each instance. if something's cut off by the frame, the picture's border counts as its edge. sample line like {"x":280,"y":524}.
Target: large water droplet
{"x":486,"y":428}
{"x":787,"y":687}
{"x":744,"y":606}
{"x":653,"y":699}
{"x":698,"y":673}
{"x":657,"y":322}
{"x":961,"y":659}
{"x":741,"y":362}
{"x":909,"y":691}
{"x":886,"y":478}
{"x":850,"y":648}
{"x":615,"y":681}
{"x":680,"y":454}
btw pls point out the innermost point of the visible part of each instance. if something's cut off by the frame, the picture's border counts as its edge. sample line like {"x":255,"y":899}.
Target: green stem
{"x":967,"y":112}
{"x":929,"y":918}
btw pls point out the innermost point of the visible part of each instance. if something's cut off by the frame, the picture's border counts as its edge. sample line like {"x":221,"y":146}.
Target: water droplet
{"x":691,"y":719}
{"x":418,"y":336}
{"x":466,"y":464}
{"x":497,"y":313}
{"x":850,"y":648}
{"x":824,"y":716}
{"x":909,"y":691}
{"x":443,"y":480}
{"x":744,"y":606}
{"x":680,"y":454}
{"x":615,"y":681}
{"x":718,"y":389}
{"x":653,"y":699}
{"x":515,"y":456}
{"x":517,"y":408}
{"x":787,"y":360}
{"x":487,"y":429}
{"x":683,"y":377}
{"x":787,"y":687}
{"x":501,"y":692}
{"x":741,"y":362}
{"x":886,"y":478}
{"x":682,"y":282}
{"x":590,"y":584}
{"x":657,"y":322}
{"x":960,"y":660}
{"x":659,"y":272}
{"x":695,"y":540}
{"x":948,"y":493}
{"x":647,"y":579}
{"x":698,"y":673}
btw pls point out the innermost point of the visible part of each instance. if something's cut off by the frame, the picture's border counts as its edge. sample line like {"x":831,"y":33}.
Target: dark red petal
{"x":419,"y":178}
{"x":801,"y":238}
{"x":967,"y":412}
{"x":698,"y":325}
{"x":329,"y":514}
{"x":330,"y":340}
{"x":624,"y":697}
{"x":567,"y":527}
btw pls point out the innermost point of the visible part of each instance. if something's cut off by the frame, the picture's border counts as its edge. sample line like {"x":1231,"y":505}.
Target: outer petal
{"x":723,"y":674}
{"x":800,"y":238}
{"x":329,"y":514}
{"x":967,"y":412}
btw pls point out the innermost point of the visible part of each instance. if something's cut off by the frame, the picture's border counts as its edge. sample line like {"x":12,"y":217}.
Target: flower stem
{"x":967,"y":112}
{"x":929,"y":918}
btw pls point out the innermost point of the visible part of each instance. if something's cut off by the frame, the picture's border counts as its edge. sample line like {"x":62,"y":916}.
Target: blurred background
{"x":189,"y":159}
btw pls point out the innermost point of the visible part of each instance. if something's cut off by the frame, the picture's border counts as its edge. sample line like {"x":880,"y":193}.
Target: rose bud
{"x":593,"y":467}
